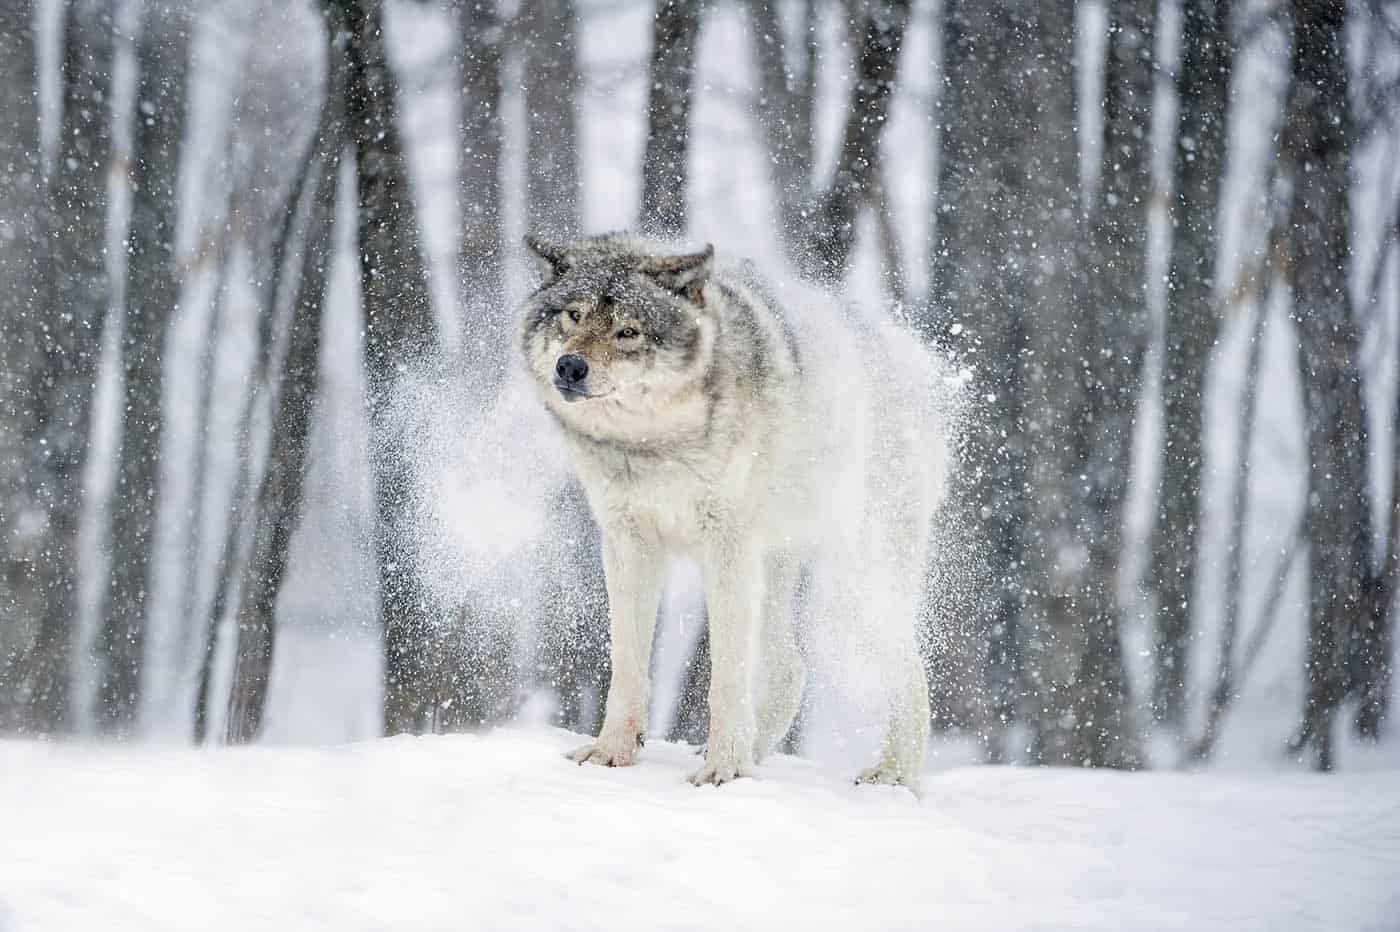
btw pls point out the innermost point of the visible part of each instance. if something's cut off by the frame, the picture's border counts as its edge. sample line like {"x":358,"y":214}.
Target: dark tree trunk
{"x":207,"y":632}
{"x":692,"y":720}
{"x":1112,"y":333}
{"x":1316,"y":143}
{"x":572,"y":653}
{"x":1115,"y":288}
{"x":1203,"y":89}
{"x":855,"y":180}
{"x":788,"y":101}
{"x":235,"y":547}
{"x":153,"y":291}
{"x":552,"y":79}
{"x":816,"y":220}
{"x":1371,"y":657}
{"x":1374,"y":653}
{"x":71,"y":347}
{"x":978,"y":303}
{"x":472,"y":662}
{"x":1229,"y":676}
{"x":675,"y":38}
{"x":1057,"y":372}
{"x":291,"y":395}
{"x":229,"y":230}
{"x":397,"y":309}
{"x":200,"y":477}
{"x":22,"y":226}
{"x":233,"y":550}
{"x":399,"y":328}
{"x":479,"y":135}
{"x":1080,"y":394}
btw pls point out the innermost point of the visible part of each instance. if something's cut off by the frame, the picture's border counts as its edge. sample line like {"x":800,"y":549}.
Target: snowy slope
{"x":500,"y":831}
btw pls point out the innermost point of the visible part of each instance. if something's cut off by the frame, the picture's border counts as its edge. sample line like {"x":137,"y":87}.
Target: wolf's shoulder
{"x":755,"y":305}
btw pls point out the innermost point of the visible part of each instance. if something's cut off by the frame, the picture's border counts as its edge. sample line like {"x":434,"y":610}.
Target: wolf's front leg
{"x":733,"y":590}
{"x":633,"y":567}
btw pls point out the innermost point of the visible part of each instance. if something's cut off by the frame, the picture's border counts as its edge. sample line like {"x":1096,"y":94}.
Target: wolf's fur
{"x":755,"y":438}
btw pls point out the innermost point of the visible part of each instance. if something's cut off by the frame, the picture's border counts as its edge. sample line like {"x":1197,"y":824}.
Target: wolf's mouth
{"x":571,"y":393}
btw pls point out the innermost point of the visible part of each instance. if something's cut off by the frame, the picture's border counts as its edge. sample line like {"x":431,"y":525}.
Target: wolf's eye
{"x":628,"y":333}
{"x":575,"y":314}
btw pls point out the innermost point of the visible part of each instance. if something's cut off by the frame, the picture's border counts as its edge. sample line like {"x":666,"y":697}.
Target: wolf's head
{"x":618,"y":330}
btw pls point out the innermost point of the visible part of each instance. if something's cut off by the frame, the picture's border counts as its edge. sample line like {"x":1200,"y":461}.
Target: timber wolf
{"x":705,"y":418}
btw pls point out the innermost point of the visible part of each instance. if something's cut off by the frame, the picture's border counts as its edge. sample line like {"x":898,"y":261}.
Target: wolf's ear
{"x":553,"y":259}
{"x":685,"y":275}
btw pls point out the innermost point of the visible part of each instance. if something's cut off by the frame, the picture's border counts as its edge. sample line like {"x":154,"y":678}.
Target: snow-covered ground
{"x":496,"y":831}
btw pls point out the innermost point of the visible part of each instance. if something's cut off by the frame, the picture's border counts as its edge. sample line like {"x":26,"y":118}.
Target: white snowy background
{"x":326,"y":826}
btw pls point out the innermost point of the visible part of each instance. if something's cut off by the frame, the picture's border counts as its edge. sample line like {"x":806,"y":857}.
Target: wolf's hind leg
{"x":902,"y":755}
{"x":781,"y":673}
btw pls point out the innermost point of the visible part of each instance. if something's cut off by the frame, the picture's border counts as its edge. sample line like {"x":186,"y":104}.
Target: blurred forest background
{"x":245,"y":245}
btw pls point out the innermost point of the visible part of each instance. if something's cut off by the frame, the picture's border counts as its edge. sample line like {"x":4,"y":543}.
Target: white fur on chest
{"x":676,"y":500}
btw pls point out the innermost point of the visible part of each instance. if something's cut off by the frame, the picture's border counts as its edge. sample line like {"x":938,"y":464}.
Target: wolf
{"x":705,"y":417}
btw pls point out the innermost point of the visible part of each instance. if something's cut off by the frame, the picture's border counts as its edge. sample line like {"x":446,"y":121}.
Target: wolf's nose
{"x":571,"y":368}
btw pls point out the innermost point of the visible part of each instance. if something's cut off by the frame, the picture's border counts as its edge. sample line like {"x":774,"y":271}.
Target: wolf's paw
{"x":721,"y":768}
{"x":887,"y":773}
{"x":609,"y":751}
